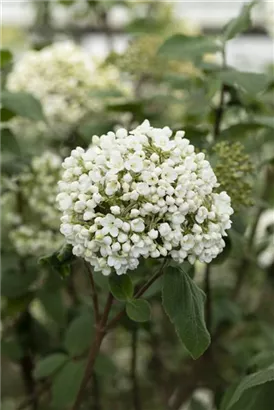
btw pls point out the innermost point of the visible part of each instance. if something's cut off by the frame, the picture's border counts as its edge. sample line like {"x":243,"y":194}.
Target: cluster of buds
{"x":234,"y":171}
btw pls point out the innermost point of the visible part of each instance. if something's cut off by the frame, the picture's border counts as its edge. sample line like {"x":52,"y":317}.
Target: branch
{"x":220,"y":108}
{"x":94,"y":350}
{"x":219,"y":114}
{"x":208,"y":305}
{"x":93,"y":293}
{"x":101,"y":330}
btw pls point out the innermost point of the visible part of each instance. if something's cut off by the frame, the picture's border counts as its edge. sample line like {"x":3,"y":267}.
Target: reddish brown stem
{"x":94,"y":350}
{"x":93,"y":294}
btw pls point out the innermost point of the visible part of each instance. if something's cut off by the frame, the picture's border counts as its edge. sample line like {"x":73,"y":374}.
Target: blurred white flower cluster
{"x":61,"y":76}
{"x":145,"y":193}
{"x":34,"y":219}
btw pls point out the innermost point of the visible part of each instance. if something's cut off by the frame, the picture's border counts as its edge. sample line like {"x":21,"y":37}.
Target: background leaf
{"x":23,"y":104}
{"x":182,"y":47}
{"x":66,"y":384}
{"x":240,"y":23}
{"x":79,"y":334}
{"x":49,"y":365}
{"x":254,"y":380}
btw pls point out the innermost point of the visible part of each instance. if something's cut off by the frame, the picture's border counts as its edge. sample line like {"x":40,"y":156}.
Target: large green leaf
{"x":183,"y":302}
{"x":79,"y":334}
{"x":23,"y":104}
{"x":182,"y":47}
{"x":138,"y":310}
{"x":66,"y":384}
{"x":121,"y":287}
{"x":49,"y":365}
{"x":249,"y":82}
{"x":252,"y":390}
{"x":239,"y":24}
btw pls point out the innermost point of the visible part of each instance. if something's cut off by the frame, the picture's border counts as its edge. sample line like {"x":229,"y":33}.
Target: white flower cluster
{"x":30,"y":241}
{"x":34,"y":220}
{"x":145,"y":193}
{"x":61,"y":76}
{"x":38,"y":187}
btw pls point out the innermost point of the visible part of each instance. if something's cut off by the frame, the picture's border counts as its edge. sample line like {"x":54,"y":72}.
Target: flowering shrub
{"x":154,"y":232}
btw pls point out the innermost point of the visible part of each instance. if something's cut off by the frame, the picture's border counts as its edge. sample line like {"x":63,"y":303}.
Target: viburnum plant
{"x":159,"y":286}
{"x":142,"y":194}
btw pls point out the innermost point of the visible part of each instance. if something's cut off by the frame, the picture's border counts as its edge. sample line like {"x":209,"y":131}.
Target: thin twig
{"x":93,"y":293}
{"x":208,"y":305}
{"x":136,"y":402}
{"x":220,"y":108}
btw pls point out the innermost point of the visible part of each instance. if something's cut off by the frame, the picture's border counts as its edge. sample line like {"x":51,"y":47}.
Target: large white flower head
{"x":61,"y":76}
{"x":145,"y":193}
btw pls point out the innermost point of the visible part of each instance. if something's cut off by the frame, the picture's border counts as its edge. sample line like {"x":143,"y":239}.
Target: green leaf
{"x":110,"y":93}
{"x":138,"y":310}
{"x":6,"y":115}
{"x":9,"y":143}
{"x":66,"y":384}
{"x":264,"y":121}
{"x":121,"y":287}
{"x":12,"y":349}
{"x":49,"y":365}
{"x":182,"y":47}
{"x":240,"y":23}
{"x":15,"y":284}
{"x":262,"y":359}
{"x":53,"y":303}
{"x":183,"y":302}
{"x":6,"y":58}
{"x":240,"y":131}
{"x":258,"y":398}
{"x":252,"y":83}
{"x":104,"y":366}
{"x":23,"y":104}
{"x":245,"y":388}
{"x":66,"y":2}
{"x":79,"y":334}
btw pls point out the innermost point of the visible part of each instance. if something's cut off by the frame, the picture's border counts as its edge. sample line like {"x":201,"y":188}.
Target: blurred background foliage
{"x":171,"y":73}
